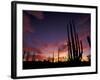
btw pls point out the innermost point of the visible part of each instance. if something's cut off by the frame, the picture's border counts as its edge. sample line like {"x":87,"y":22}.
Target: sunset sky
{"x":45,"y":32}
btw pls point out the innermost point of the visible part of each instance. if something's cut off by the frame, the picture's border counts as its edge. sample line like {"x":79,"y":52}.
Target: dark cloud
{"x":38,"y":14}
{"x":27,"y":27}
{"x":35,"y":50}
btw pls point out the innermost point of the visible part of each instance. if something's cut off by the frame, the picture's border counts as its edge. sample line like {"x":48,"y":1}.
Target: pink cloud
{"x":27,"y":24}
{"x":37,"y":14}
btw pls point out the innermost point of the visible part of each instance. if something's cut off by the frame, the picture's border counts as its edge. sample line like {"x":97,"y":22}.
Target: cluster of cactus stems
{"x":75,"y":47}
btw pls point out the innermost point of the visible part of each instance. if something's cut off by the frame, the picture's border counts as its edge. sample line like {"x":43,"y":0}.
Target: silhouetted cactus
{"x":75,"y":47}
{"x":53,"y":57}
{"x":89,"y":41}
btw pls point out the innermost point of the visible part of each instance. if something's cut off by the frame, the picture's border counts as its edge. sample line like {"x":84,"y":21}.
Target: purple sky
{"x":46,"y":31}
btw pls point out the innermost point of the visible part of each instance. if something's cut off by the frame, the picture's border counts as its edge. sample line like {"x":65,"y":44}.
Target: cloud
{"x":62,"y":48}
{"x":35,"y":50}
{"x":27,"y":24}
{"x":38,"y":14}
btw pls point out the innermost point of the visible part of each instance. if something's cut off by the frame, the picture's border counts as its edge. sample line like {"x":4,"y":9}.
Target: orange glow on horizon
{"x":63,"y":55}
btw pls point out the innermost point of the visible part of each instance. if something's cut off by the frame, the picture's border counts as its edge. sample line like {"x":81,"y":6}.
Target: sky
{"x":45,"y":32}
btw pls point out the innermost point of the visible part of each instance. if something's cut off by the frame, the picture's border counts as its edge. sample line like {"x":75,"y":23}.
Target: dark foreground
{"x":38,"y":65}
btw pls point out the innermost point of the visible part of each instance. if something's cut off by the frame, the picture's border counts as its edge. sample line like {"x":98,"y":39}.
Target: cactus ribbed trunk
{"x":75,"y":47}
